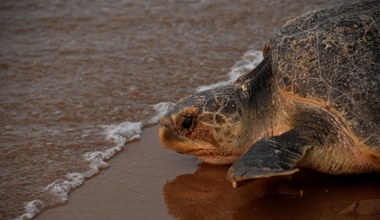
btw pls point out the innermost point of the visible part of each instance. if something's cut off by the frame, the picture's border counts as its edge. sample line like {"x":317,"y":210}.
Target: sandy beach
{"x":146,"y":181}
{"x":131,"y":188}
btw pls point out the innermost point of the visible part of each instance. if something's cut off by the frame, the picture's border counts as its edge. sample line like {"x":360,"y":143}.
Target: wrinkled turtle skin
{"x":314,"y":101}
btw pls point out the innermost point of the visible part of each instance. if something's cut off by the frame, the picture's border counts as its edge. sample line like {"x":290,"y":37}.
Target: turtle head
{"x":207,"y":124}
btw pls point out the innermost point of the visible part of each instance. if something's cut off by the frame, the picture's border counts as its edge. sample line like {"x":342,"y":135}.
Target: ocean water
{"x":80,"y":79}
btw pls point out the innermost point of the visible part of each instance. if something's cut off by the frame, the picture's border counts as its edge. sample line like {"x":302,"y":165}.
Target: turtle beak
{"x":169,"y":136}
{"x":172,"y":140}
{"x":166,"y":130}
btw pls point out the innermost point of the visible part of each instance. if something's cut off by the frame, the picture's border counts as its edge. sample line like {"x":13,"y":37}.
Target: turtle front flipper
{"x":273,"y":156}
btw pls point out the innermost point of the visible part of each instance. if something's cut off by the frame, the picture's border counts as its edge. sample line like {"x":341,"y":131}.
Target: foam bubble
{"x":162,"y":108}
{"x":123,"y":132}
{"x":248,"y":61}
{"x":61,"y":187}
{"x":32,"y":209}
{"x":120,"y":134}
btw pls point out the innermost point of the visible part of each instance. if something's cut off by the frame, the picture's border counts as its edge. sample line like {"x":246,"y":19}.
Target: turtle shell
{"x":331,"y":56}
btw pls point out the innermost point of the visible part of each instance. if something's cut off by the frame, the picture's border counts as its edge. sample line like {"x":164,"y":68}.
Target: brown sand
{"x":146,"y":181}
{"x":131,"y":188}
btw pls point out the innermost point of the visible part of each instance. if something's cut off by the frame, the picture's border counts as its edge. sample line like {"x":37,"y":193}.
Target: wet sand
{"x":146,"y":181}
{"x":131,"y":188}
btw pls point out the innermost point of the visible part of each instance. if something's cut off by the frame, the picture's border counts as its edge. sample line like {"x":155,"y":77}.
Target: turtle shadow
{"x":206,"y":194}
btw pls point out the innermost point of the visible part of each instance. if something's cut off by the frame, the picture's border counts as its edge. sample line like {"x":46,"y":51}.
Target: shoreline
{"x":130,"y":186}
{"x":146,"y":181}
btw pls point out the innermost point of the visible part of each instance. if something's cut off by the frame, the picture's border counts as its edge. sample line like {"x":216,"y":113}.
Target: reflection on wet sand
{"x":363,"y":207}
{"x":206,"y":194}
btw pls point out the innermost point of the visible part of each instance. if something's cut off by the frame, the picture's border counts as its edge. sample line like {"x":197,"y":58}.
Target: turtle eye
{"x":187,"y":122}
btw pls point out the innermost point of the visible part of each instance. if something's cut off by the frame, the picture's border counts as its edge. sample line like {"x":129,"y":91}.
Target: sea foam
{"x":121,"y":134}
{"x":248,"y":61}
{"x":32,"y":208}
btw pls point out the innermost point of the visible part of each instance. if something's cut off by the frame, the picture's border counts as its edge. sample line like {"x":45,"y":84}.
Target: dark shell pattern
{"x":333,"y":54}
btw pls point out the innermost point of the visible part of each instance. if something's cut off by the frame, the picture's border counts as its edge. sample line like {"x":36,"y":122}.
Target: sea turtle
{"x":314,"y":101}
